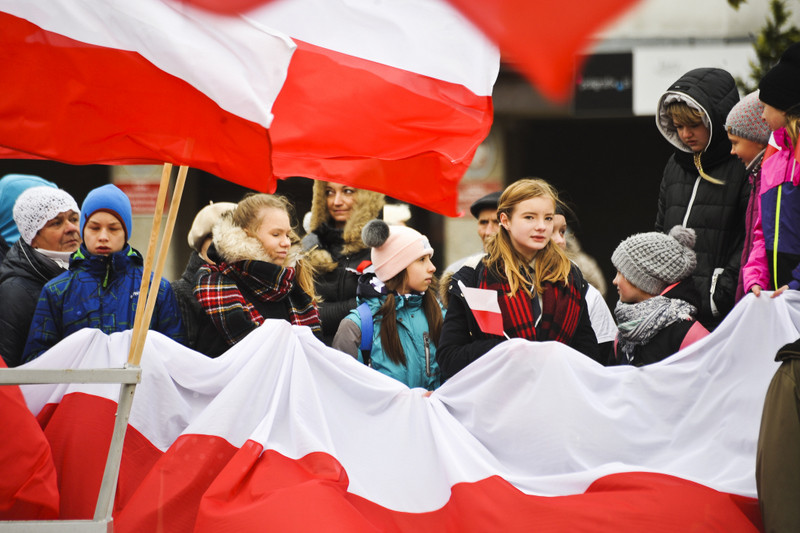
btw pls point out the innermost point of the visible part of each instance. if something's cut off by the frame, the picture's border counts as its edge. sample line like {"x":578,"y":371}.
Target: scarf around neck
{"x":221,"y":291}
{"x":560,"y":309}
{"x":638,"y":323}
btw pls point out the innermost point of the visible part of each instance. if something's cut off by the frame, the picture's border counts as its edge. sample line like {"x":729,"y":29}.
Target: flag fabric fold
{"x":282,"y":432}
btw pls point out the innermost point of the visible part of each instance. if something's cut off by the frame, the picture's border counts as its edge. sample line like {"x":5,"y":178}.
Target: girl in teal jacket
{"x":399,"y":306}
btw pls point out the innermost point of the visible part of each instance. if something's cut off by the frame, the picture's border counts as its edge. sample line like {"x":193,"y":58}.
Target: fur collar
{"x":234,"y":244}
{"x":367,"y":206}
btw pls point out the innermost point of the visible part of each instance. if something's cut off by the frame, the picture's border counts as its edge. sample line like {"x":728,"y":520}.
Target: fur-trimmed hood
{"x":233,"y":244}
{"x":368,"y":206}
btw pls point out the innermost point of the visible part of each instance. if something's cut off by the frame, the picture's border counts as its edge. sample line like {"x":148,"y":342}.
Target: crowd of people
{"x":725,"y":226}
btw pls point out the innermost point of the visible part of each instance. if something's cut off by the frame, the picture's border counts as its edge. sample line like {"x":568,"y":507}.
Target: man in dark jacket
{"x":704,"y":186}
{"x":47,"y":220}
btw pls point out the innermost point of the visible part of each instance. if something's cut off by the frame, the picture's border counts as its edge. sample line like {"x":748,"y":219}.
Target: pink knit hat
{"x":393,"y":247}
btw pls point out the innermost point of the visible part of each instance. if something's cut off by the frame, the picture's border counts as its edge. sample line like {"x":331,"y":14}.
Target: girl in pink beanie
{"x":395,"y":329}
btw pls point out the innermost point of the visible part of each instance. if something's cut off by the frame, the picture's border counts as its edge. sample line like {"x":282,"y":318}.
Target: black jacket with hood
{"x":336,"y":255}
{"x":715,"y":211}
{"x":22,"y":276}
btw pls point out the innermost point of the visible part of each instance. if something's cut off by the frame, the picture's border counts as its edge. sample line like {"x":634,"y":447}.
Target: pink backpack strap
{"x":695,"y":333}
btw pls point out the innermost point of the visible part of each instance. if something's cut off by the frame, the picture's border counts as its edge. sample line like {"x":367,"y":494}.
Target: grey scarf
{"x":639,"y":322}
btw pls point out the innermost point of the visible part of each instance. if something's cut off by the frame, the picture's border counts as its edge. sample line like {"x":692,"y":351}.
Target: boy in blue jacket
{"x":101,"y":288}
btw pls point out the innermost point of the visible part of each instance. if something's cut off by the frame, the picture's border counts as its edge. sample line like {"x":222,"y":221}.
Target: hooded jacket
{"x":715,"y":211}
{"x":338,"y":255}
{"x":22,"y":276}
{"x":770,"y":266}
{"x":192,"y":314}
{"x":98,"y":292}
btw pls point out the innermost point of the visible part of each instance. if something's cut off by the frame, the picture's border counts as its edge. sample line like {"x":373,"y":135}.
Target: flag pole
{"x":139,"y":336}
{"x":144,"y":287}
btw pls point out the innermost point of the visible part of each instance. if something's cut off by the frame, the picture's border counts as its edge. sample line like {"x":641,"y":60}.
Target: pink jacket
{"x":777,"y":168}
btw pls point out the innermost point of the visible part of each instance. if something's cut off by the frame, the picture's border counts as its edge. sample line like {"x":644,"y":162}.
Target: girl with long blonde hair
{"x":540,"y":292}
{"x":258,"y":274}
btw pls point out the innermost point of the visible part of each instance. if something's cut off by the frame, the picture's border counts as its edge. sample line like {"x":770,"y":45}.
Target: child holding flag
{"x":538,"y":292}
{"x":398,"y":322}
{"x":774,"y":262}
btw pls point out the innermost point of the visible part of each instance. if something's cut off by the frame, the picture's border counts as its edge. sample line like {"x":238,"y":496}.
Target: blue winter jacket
{"x":98,"y":292}
{"x":411,"y":324}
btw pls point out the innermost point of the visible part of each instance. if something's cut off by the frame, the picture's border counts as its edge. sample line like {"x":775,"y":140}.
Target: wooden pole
{"x":144,"y":287}
{"x":139,"y":336}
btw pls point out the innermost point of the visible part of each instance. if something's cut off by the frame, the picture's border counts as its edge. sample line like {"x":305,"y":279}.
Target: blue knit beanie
{"x":11,"y":186}
{"x":111,"y":199}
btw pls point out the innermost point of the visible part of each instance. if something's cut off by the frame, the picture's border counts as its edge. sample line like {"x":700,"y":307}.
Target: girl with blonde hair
{"x":540,"y":292}
{"x":257,"y":275}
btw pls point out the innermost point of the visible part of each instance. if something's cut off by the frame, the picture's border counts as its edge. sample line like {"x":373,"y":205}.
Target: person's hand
{"x":756,"y":289}
{"x":427,"y":394}
{"x":779,"y":291}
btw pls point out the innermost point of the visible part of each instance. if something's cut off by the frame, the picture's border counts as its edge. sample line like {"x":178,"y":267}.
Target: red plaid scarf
{"x":220,"y":289}
{"x":561,"y":309}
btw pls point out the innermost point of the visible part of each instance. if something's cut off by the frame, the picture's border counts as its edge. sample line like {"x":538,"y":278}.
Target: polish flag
{"x":393,"y":96}
{"x":150,"y":81}
{"x":485,"y":309}
{"x":388,"y":95}
{"x":282,"y":433}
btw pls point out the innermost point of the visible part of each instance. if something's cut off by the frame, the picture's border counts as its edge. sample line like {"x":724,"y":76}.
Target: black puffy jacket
{"x":716,"y":212}
{"x":22,"y":276}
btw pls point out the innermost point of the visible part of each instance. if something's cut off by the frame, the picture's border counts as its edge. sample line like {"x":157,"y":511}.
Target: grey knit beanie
{"x":653,"y":261}
{"x":745,"y":121}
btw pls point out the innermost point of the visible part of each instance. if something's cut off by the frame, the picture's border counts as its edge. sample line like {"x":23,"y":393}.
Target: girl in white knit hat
{"x":657,"y":308}
{"x":397,"y":324}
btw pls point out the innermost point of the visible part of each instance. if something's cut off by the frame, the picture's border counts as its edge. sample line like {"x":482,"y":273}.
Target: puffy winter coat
{"x":337,"y":255}
{"x":778,"y":222}
{"x":22,"y":276}
{"x":716,"y":212}
{"x":421,"y":369}
{"x":98,"y":292}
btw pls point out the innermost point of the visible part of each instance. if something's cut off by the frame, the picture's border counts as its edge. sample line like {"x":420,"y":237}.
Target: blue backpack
{"x":365,"y":315}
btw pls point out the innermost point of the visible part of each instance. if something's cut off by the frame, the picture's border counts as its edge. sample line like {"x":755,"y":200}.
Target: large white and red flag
{"x":392,"y":96}
{"x":282,"y":433}
{"x":91,"y":81}
{"x":389,"y":95}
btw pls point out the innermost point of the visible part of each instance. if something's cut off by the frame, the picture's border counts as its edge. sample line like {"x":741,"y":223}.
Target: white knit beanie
{"x":36,"y":206}
{"x":393,"y":247}
{"x":653,"y":261}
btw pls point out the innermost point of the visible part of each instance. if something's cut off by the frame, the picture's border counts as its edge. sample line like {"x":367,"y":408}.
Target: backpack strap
{"x":365,"y":315}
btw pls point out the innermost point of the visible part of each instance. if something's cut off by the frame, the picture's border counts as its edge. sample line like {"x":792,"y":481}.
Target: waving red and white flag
{"x":392,"y":96}
{"x":282,"y":433}
{"x":90,"y":81}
